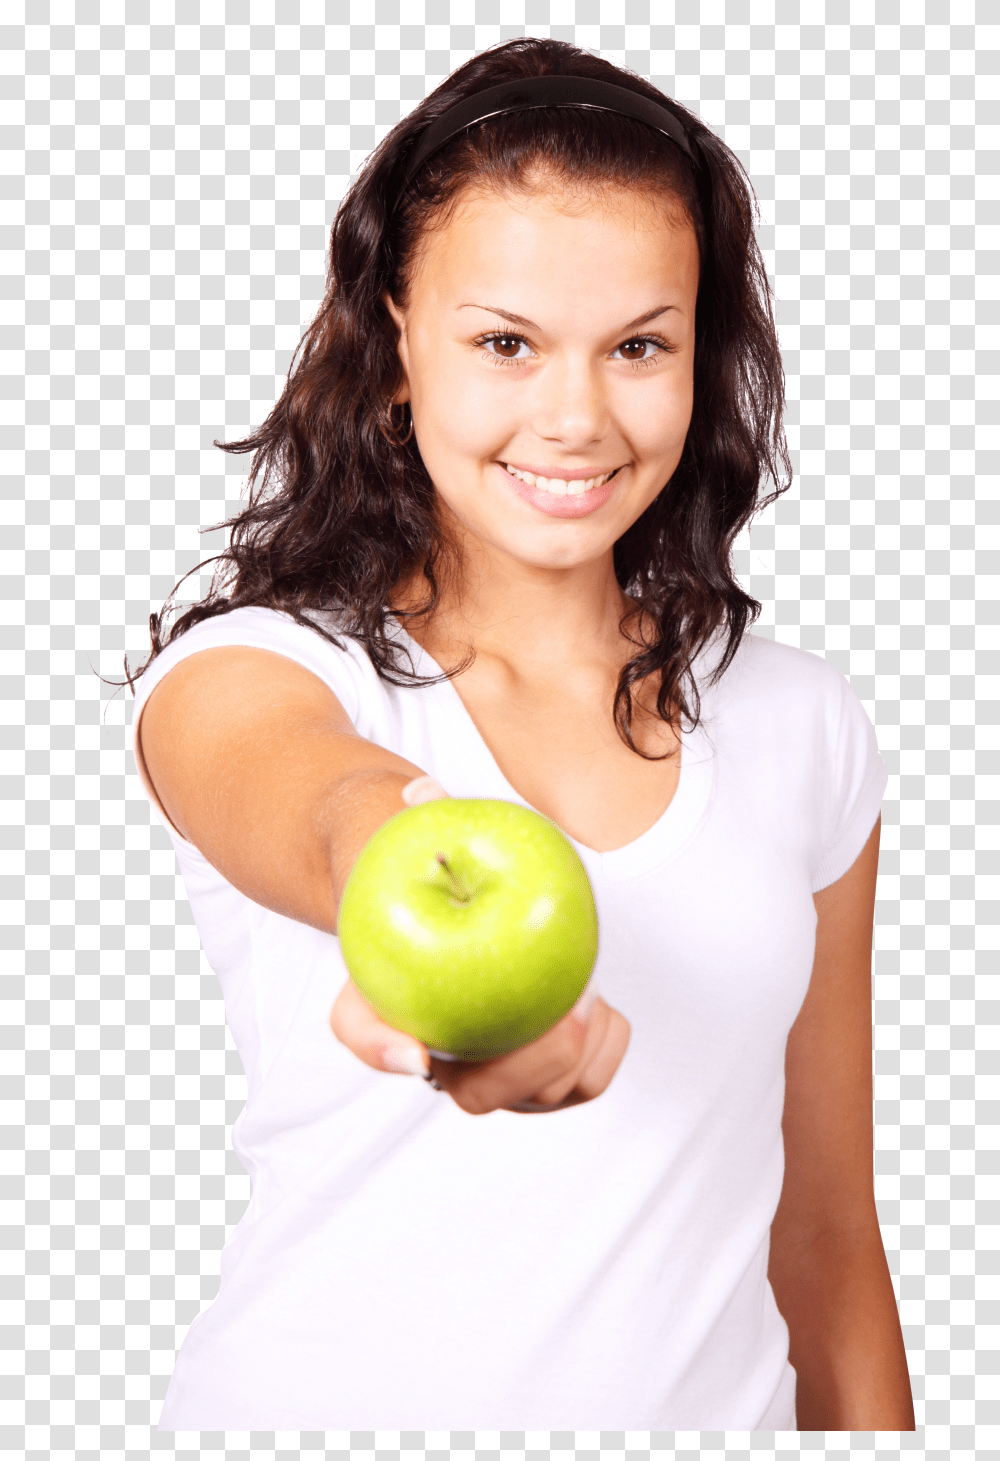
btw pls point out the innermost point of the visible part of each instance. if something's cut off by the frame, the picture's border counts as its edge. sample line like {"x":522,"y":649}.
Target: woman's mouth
{"x":572,"y":496}
{"x":560,"y":486}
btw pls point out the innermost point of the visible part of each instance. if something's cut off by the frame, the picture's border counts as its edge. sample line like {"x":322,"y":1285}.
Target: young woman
{"x":487,"y":554}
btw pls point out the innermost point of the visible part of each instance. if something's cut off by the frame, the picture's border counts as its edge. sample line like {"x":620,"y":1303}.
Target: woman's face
{"x":547,"y":345}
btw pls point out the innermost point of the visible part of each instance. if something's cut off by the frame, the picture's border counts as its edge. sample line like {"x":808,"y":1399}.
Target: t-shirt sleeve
{"x":857,"y":781}
{"x":253,"y":628}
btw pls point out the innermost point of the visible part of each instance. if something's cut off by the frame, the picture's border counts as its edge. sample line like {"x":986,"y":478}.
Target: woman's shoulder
{"x":764,"y":669}
{"x":771,"y":658}
{"x":340,"y":665}
{"x":794,"y":718}
{"x":782,"y":696}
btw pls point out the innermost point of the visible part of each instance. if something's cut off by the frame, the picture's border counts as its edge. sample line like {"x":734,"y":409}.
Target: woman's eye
{"x":508,"y":347}
{"x":636,"y":349}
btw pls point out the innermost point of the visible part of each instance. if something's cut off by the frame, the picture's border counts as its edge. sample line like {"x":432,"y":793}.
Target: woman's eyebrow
{"x":506,"y":314}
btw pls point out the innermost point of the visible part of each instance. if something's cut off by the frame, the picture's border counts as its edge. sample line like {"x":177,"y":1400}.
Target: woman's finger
{"x":422,"y":789}
{"x":606,"y":1038}
{"x":599,"y":1068}
{"x":608,"y":1034}
{"x":596,"y":1027}
{"x":576,"y":1057}
{"x":379,"y":1045}
{"x":483,"y":1086}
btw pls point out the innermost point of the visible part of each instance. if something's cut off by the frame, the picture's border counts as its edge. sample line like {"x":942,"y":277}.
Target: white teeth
{"x":558,"y":486}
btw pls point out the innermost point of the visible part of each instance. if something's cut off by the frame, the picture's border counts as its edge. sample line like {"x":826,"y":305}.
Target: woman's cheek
{"x":474,"y":415}
{"x":656,"y":422}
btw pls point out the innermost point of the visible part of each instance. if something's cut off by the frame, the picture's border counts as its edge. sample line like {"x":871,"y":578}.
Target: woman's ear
{"x":399,"y":320}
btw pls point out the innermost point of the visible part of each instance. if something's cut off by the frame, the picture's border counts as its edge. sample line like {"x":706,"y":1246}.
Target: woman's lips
{"x":563,"y":484}
{"x":556,"y":504}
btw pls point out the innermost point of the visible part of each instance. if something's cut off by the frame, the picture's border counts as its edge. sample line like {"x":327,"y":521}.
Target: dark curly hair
{"x":339,"y":514}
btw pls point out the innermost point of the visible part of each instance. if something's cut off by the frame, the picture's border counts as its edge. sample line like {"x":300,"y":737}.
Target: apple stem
{"x":457,"y":888}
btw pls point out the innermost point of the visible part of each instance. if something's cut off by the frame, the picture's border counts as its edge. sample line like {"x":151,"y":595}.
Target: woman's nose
{"x":571,"y":407}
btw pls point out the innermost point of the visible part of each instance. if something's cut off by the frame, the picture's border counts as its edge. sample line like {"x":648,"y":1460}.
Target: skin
{"x":255,"y":761}
{"x":571,"y":390}
{"x":827,"y":1264}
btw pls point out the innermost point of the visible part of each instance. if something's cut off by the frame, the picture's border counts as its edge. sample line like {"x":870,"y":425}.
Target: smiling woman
{"x":607,"y":409}
{"x":659,"y":1214}
{"x":345,"y":507}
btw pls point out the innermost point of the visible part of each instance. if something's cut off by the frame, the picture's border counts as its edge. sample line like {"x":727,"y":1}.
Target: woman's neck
{"x":528,"y":629}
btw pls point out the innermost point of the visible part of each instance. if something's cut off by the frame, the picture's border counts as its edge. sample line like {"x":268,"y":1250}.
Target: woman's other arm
{"x":827,"y":1266}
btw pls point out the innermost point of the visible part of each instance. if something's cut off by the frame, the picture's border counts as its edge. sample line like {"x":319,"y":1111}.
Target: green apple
{"x":470,"y":924}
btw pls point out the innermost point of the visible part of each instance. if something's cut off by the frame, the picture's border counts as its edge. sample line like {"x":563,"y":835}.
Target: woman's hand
{"x":573,"y":1062}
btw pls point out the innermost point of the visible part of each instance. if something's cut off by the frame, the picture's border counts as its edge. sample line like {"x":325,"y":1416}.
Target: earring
{"x":388,"y":429}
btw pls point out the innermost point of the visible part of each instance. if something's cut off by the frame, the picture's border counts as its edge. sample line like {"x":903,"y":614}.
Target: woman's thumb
{"x":422,"y":789}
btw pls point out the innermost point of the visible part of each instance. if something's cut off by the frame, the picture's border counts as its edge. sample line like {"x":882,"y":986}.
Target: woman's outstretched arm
{"x":827,"y":1266}
{"x":255,"y":761}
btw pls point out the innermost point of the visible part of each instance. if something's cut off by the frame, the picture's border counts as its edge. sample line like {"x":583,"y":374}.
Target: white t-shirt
{"x":403,"y":1264}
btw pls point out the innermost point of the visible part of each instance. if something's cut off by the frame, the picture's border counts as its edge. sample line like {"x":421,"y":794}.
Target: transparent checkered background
{"x":170,"y":174}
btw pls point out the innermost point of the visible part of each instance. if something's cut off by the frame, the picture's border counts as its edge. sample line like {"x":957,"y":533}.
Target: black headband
{"x":547,"y":91}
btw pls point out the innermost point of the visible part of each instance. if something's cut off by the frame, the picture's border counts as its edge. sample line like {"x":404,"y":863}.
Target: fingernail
{"x":404,"y":1060}
{"x":422,"y":789}
{"x":585,"y":1003}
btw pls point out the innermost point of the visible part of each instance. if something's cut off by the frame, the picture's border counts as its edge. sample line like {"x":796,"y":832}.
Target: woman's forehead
{"x":559,"y":226}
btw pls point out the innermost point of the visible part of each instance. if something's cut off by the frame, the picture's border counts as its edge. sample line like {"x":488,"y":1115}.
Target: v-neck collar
{"x":660,"y":843}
